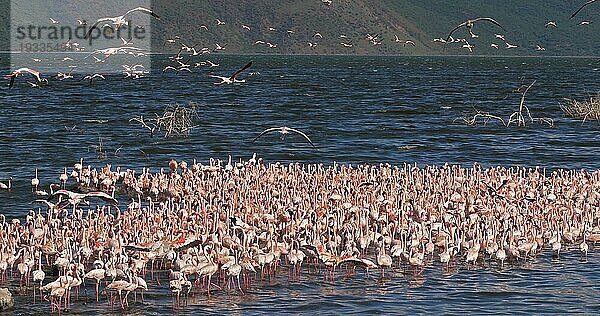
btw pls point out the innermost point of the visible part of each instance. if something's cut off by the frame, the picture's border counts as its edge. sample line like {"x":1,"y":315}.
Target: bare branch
{"x":176,"y":120}
{"x":516,"y":117}
{"x":586,"y":110}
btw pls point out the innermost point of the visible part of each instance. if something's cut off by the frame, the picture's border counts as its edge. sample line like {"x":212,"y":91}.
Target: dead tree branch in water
{"x":150,"y":125}
{"x":585,"y":110}
{"x":517,"y":117}
{"x":176,"y":120}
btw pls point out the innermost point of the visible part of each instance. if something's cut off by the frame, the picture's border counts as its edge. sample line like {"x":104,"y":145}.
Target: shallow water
{"x":544,"y":284}
{"x":356,"y":110}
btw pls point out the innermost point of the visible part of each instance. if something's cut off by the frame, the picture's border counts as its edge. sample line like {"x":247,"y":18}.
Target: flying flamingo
{"x":22,"y":71}
{"x":233,"y":78}
{"x":581,"y":8}
{"x":119,"y":21}
{"x":471,"y":22}
{"x":284,"y":131}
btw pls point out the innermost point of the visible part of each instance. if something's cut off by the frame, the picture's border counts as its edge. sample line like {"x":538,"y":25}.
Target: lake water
{"x":355,"y":110}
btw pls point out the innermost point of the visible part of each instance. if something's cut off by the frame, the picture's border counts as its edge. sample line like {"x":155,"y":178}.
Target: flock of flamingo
{"x":224,"y":226}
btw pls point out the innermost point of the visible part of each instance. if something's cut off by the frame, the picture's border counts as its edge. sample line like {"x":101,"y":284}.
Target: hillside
{"x":295,"y":23}
{"x":354,"y":20}
{"x":524,"y":21}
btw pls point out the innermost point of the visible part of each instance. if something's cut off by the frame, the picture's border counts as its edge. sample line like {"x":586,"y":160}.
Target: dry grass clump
{"x":176,"y":120}
{"x":585,"y":110}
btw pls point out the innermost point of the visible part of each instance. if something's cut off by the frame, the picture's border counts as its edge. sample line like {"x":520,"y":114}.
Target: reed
{"x":584,"y":110}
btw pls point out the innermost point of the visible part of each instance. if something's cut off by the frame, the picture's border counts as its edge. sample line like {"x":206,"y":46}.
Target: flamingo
{"x":142,"y":285}
{"x":233,"y":78}
{"x":383,"y":260}
{"x":176,"y":288}
{"x":35,"y":181}
{"x":57,"y":294}
{"x":38,"y":276}
{"x":234,"y":271}
{"x":119,"y":286}
{"x":23,"y":270}
{"x":97,"y":274}
{"x":471,"y":22}
{"x":63,"y":178}
{"x":445,"y":256}
{"x":132,"y":286}
{"x":584,"y":247}
{"x":7,"y":185}
{"x":208,"y":270}
{"x":78,"y":198}
{"x":501,"y":255}
{"x":284,"y":131}
{"x":36,"y":74}
{"x":581,"y":8}
{"x":119,"y":21}
{"x":556,"y":245}
{"x":365,"y":263}
{"x":92,"y":77}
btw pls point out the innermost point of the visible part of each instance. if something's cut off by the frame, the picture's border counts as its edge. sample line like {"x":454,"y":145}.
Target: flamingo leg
{"x":121,"y":300}
{"x":209,"y":281}
{"x":239,"y":286}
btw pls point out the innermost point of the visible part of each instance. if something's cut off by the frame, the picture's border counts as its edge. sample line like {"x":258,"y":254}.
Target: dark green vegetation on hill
{"x":417,"y":20}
